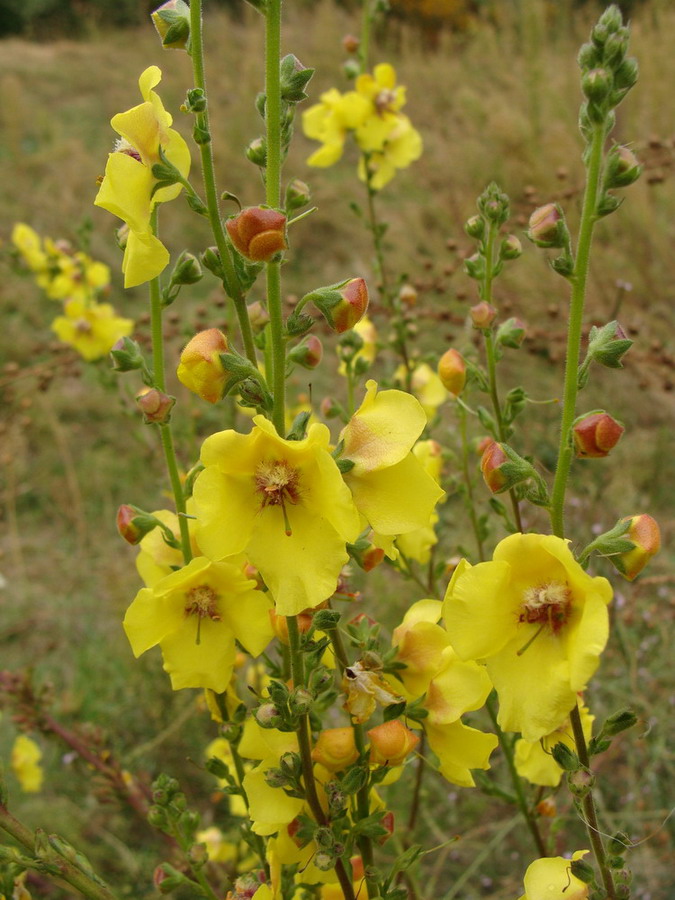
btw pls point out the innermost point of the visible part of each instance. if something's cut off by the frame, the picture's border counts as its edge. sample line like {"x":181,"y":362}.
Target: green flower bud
{"x":172,"y":21}
{"x":475,"y":227}
{"x":126,"y":355}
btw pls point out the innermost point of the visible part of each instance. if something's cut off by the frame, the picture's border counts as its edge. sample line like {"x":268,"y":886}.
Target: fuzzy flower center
{"x":202,"y":601}
{"x":545,"y":605}
{"x":385,"y":100}
{"x":278,"y":483}
{"x":123,"y":146}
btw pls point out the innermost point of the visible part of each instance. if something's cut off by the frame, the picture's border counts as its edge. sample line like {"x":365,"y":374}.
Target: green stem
{"x":491,"y":357}
{"x":305,"y":750}
{"x":468,"y":484}
{"x":517,"y":781}
{"x":588,"y":806}
{"x":273,"y":196}
{"x":230,"y":279}
{"x":364,"y":44}
{"x":159,"y":380}
{"x":588,"y":219}
{"x":54,"y":865}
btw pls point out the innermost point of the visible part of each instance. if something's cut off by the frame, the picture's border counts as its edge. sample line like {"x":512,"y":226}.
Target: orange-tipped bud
{"x":352,"y":307}
{"x":547,"y":808}
{"x":155,"y":405}
{"x":452,"y":371}
{"x":408,"y":295}
{"x":350,"y":43}
{"x":335,"y":749}
{"x":280,"y":625}
{"x":366,"y":554}
{"x":482,"y":315}
{"x":308,"y":354}
{"x":201,"y":369}
{"x":387,"y":821}
{"x":258,"y":233}
{"x":595,"y":435}
{"x":133,"y":524}
{"x":391,"y":742}
{"x":490,"y":465}
{"x":646,"y":535}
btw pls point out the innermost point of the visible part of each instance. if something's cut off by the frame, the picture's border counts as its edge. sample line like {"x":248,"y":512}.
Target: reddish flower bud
{"x":490,"y":465}
{"x":131,"y":533}
{"x":452,"y":371}
{"x":482,"y":314}
{"x":200,"y":368}
{"x":350,"y":43}
{"x":258,"y":233}
{"x":483,"y":444}
{"x":595,"y":435}
{"x":547,"y":227}
{"x":390,"y":743}
{"x":547,"y":808}
{"x":330,"y":408}
{"x":155,"y":405}
{"x":408,"y":295}
{"x":646,"y":535}
{"x":307,"y":354}
{"x":387,"y":821}
{"x":342,"y":304}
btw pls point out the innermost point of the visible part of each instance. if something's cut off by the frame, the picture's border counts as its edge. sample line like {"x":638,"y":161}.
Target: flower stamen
{"x":278,"y":483}
{"x":202,"y":601}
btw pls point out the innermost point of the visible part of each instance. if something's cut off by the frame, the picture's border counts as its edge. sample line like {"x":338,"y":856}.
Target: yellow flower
{"x":284,"y":503}
{"x":28,"y":243}
{"x":403,"y":145}
{"x":221,"y":749}
{"x":195,"y":615}
{"x":270,"y":808}
{"x":539,"y":622}
{"x":534,"y":760}
{"x":365,"y":688}
{"x":368,"y":333}
{"x":126,"y":190}
{"x":156,"y":558}
{"x":389,"y":485}
{"x":329,"y":122}
{"x":92,"y":329}
{"x":552,"y":878}
{"x":25,"y":762}
{"x":417,"y":544}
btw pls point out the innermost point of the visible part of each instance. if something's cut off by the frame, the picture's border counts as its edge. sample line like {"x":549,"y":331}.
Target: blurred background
{"x":493,"y":87}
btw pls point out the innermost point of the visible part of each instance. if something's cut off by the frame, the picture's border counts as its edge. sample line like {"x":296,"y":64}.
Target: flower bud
{"x":256,"y":152}
{"x":645,"y":534}
{"x":622,"y":167}
{"x":511,"y":248}
{"x":483,"y":315}
{"x":408,"y":295}
{"x":452,"y":371}
{"x":307,"y":354}
{"x":343,"y":304}
{"x":257,"y":316}
{"x":350,"y":43}
{"x":608,"y":345}
{"x":595,"y":435}
{"x":297,"y":195}
{"x":280,"y":625}
{"x":502,"y":468}
{"x":267,"y":716}
{"x":580,"y":782}
{"x":387,"y":821}
{"x":187,"y":270}
{"x":390,"y":743}
{"x":330,"y":408}
{"x":201,"y":369}
{"x":335,"y":749}
{"x":258,"y":233}
{"x":133,"y":524}
{"x":126,"y":355}
{"x":172,"y":21}
{"x":155,"y":405}
{"x":547,"y":808}
{"x":166,"y":878}
{"x":547,"y":226}
{"x":365,"y":553}
{"x":475,"y":227}
{"x":511,"y":333}
{"x":301,"y":701}
{"x":596,"y":85}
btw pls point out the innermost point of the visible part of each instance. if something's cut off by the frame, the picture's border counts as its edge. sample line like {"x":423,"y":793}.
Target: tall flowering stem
{"x":203,"y":138}
{"x":490,"y":354}
{"x":273,"y":196}
{"x":576,"y":314}
{"x":165,"y":428}
{"x":468,"y":484}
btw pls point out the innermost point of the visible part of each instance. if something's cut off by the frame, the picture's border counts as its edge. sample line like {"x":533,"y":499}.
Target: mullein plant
{"x":244,"y":577}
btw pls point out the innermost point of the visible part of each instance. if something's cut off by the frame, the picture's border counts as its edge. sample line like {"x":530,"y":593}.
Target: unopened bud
{"x":595,"y":435}
{"x":645,"y":534}
{"x":187,"y":270}
{"x":330,"y":408}
{"x":307,"y":354}
{"x":622,"y":168}
{"x":172,"y":21}
{"x":166,"y":878}
{"x":350,"y":43}
{"x":256,"y":152}
{"x":547,"y":226}
{"x":297,"y":195}
{"x":366,"y":554}
{"x":547,"y":808}
{"x":201,"y":369}
{"x":335,"y":749}
{"x":452,"y":371}
{"x":582,"y":871}
{"x":618,"y":722}
{"x":198,"y":854}
{"x":390,"y":743}
{"x":475,"y":227}
{"x":608,"y":345}
{"x":267,"y":716}
{"x":511,"y":333}
{"x":596,"y":85}
{"x":483,"y":314}
{"x":580,"y":782}
{"x":275,"y":778}
{"x":210,"y":259}
{"x":258,"y":233}
{"x":155,"y":405}
{"x":301,"y":701}
{"x":126,"y":355}
{"x":133,"y":524}
{"x":257,"y":316}
{"x":408,"y":295}
{"x":565,"y":757}
{"x":343,"y":304}
{"x":511,"y":248}
{"x":387,"y":821}
{"x":502,"y":468}
{"x":280,"y":625}
{"x":324,"y":860}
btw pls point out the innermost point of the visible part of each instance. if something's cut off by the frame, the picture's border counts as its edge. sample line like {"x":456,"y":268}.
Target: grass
{"x":496,"y":103}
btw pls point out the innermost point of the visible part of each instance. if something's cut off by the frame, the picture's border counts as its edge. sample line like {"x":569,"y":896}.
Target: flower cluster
{"x":372,"y":113}
{"x":78,"y":281}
